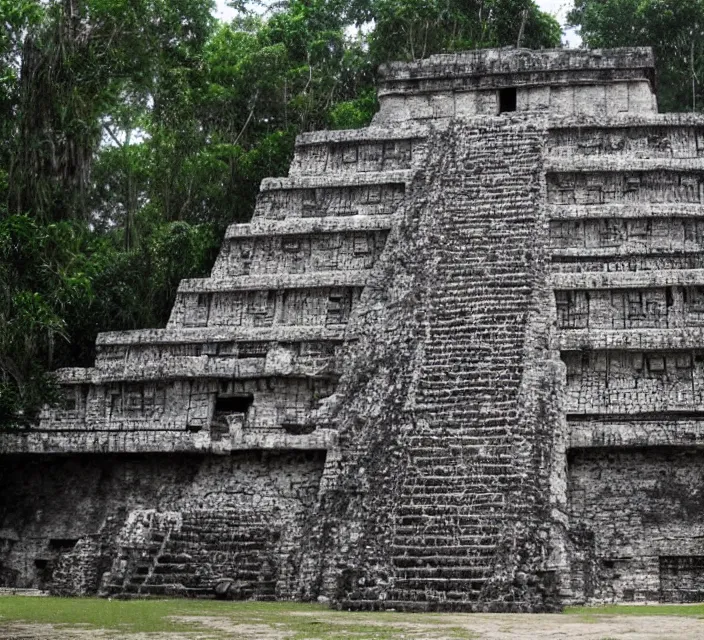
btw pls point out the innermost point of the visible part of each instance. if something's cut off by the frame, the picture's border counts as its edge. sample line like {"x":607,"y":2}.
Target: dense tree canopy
{"x":133,"y":131}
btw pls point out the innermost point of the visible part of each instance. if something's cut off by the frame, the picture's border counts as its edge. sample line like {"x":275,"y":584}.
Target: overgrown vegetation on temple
{"x":133,"y":131}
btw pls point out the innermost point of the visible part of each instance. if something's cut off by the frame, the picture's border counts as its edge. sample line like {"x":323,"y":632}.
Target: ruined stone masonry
{"x":455,"y":362}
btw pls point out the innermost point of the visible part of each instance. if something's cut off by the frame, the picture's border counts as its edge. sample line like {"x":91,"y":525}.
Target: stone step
{"x":453,"y":438}
{"x":470,"y":556}
{"x":614,"y":164}
{"x":194,"y":549}
{"x":458,"y":452}
{"x":405,"y":533}
{"x":439,"y":507}
{"x":491,"y":427}
{"x":627,"y":210}
{"x":461,"y":492}
{"x":185,"y":579}
{"x":32,"y":593}
{"x":278,"y":282}
{"x":452,"y":568}
{"x":431,"y":446}
{"x":307,"y":226}
{"x":444,"y":584}
{"x":214,"y":530}
{"x":457,"y":494}
{"x":446,"y":522}
{"x":163,"y":590}
{"x":250,"y":569}
{"x":334,"y":180}
{"x":355,"y":152}
{"x":465,"y":601}
{"x":474,"y":479}
{"x":444,"y":545}
{"x":472,"y":592}
{"x":470,"y":455}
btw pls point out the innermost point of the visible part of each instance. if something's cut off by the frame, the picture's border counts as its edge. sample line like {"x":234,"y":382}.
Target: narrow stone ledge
{"x":627,"y":121}
{"x":614,"y":432}
{"x":369,"y":134}
{"x":632,"y":280}
{"x":630,"y":340}
{"x":58,"y":442}
{"x":302,"y":226}
{"x":639,"y":210}
{"x":624,"y":251}
{"x":289,"y":333}
{"x":201,"y":367}
{"x":512,"y":61}
{"x":314,"y":280}
{"x":321,"y":440}
{"x":75,"y":375}
{"x":331,"y":180}
{"x":619,"y":163}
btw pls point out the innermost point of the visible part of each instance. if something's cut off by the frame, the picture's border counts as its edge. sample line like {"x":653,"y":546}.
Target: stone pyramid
{"x":452,"y":363}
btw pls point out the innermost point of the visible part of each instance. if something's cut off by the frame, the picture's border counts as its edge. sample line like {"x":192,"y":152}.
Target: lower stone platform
{"x":156,"y":524}
{"x":636,"y":529}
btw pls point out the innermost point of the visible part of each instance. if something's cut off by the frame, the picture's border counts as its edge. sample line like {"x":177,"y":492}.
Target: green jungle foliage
{"x":132,"y":132}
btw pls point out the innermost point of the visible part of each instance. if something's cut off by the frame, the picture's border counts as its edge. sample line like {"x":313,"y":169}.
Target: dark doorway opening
{"x":233,"y":404}
{"x":62,"y":544}
{"x":507,"y":100}
{"x":229,"y":410}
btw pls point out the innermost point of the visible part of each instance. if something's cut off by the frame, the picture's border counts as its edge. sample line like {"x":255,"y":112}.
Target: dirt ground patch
{"x":530,"y":627}
{"x":184,"y":620}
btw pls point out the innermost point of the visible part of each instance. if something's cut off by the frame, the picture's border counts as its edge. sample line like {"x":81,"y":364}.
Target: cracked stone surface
{"x":454,"y":363}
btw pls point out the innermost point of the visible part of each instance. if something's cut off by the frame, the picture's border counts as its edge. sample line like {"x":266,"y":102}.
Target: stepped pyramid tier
{"x":454,"y":362}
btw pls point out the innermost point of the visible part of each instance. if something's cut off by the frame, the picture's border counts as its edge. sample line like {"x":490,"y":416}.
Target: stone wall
{"x":446,"y":367}
{"x":625,"y":206}
{"x":155,"y":524}
{"x":634,"y":512}
{"x":560,"y":81}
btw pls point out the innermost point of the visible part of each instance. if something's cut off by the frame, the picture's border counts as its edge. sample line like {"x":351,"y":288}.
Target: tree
{"x":41,"y":275}
{"x":73,"y":72}
{"x":674,"y":28}
{"x":412,"y":29}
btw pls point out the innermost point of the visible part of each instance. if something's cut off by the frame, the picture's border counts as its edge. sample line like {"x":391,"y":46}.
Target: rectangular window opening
{"x":233,"y":404}
{"x":507,"y":99}
{"x":62,"y":544}
{"x":68,"y":399}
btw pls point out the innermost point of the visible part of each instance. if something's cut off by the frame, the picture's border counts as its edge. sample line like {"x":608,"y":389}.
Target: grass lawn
{"x":279,"y":620}
{"x":294,"y":621}
{"x":681,"y":610}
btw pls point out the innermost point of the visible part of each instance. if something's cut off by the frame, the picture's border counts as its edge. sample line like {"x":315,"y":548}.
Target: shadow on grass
{"x":679,"y":610}
{"x":293,"y":621}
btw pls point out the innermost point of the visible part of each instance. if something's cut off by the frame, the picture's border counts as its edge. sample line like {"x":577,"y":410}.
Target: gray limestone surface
{"x":454,"y":362}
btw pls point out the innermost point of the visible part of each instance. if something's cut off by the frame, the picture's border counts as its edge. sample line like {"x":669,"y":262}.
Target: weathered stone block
{"x":453,"y":363}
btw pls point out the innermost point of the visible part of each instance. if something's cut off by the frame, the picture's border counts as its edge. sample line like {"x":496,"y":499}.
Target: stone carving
{"x":454,"y":362}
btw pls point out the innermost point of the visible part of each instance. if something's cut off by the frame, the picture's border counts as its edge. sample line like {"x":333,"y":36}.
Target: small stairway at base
{"x":207,"y":546}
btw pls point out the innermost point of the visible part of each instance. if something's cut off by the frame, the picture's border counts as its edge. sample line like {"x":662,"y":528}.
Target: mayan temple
{"x":455,"y":362}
